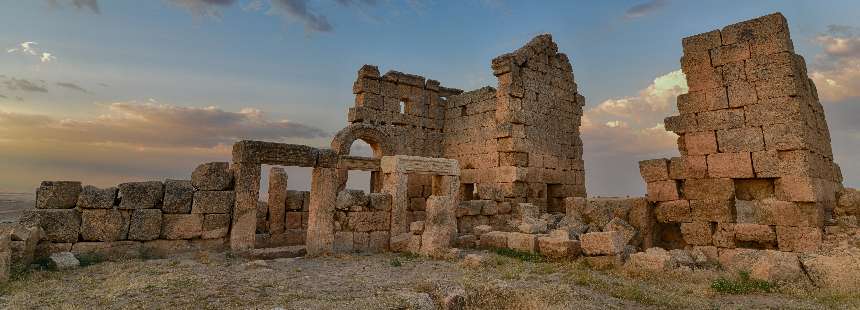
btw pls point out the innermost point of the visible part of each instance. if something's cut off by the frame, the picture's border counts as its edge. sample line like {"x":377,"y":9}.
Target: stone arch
{"x":379,"y":141}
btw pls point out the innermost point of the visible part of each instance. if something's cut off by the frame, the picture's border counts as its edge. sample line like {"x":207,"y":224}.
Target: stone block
{"x":215,"y":226}
{"x":558,"y":248}
{"x":416,"y":228}
{"x":63,"y":261}
{"x":104,"y":225}
{"x":369,"y":221}
{"x":141,"y":195}
{"x":754,"y":189}
{"x":181,"y":226}
{"x":654,"y":170}
{"x":741,"y":93}
{"x":776,"y":111}
{"x":494,"y":240}
{"x":704,"y":100}
{"x":700,"y":143}
{"x":145,"y":225}
{"x":730,"y":165}
{"x":92,"y":197}
{"x":605,"y":262}
{"x":653,"y":259}
{"x":766,"y":164}
{"x":379,"y":241}
{"x":206,"y":202}
{"x":720,"y":119}
{"x":215,"y":176}
{"x":798,"y":239}
{"x":440,"y":227}
{"x":797,"y":188}
{"x":697,"y":233}
{"x":662,"y":190}
{"x":380,"y":201}
{"x":44,"y":249}
{"x":297,"y":200}
{"x":701,"y":189}
{"x":627,"y":231}
{"x":747,"y":139}
{"x":681,"y":124}
{"x":730,"y":53}
{"x":713,"y":210}
{"x":701,"y":43}
{"x":788,"y":136}
{"x":688,"y":167}
{"x":522,"y":242}
{"x":754,"y":233}
{"x":178,"y":196}
{"x":602,"y":243}
{"x":677,"y":211}
{"x":57,"y":194}
{"x":294,"y":220}
{"x":59,"y":225}
{"x":349,"y":198}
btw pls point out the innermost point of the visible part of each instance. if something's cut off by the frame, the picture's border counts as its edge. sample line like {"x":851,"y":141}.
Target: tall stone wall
{"x":756,"y":167}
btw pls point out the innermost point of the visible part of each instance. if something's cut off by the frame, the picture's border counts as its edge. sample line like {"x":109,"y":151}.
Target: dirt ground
{"x":382,"y":281}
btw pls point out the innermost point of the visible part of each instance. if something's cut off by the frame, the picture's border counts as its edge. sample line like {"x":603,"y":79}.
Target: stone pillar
{"x":376,"y":181}
{"x":277,"y":200}
{"x":324,"y":186}
{"x":440,"y":226}
{"x":395,"y":184}
{"x":242,"y":234}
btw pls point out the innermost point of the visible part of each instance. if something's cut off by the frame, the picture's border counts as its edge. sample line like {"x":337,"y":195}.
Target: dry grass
{"x":210,"y":281}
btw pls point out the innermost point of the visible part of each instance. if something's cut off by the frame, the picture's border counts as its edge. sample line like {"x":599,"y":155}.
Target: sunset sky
{"x":106,"y":91}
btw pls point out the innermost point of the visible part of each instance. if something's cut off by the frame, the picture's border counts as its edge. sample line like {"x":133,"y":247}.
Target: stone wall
{"x":132,"y":219}
{"x":756,"y":167}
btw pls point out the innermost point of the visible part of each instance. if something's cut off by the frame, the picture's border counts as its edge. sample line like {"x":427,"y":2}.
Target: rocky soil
{"x":384,"y":281}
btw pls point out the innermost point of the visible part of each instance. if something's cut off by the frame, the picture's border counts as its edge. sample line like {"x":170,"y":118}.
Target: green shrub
{"x":742,"y":285}
{"x":520,"y":255}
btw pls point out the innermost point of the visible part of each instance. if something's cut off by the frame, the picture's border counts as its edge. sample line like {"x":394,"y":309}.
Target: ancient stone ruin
{"x":497,"y":168}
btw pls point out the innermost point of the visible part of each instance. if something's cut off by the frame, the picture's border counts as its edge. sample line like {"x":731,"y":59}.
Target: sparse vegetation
{"x":520,"y":255}
{"x":743,"y":284}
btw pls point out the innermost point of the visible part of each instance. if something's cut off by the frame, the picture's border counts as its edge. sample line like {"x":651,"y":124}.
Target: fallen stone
{"x":838,"y":273}
{"x":653,"y":259}
{"x":602,"y":243}
{"x":494,"y":240}
{"x":627,"y":231}
{"x":766,"y":265}
{"x":558,"y":247}
{"x":63,"y":261}
{"x":522,"y":242}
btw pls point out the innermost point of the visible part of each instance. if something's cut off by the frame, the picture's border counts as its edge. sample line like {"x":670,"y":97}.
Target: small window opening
{"x":402,"y":107}
{"x":463,"y":111}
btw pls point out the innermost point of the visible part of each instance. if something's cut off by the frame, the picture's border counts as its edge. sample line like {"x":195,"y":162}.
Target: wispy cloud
{"x":207,"y":8}
{"x":92,"y":5}
{"x":72,"y":86}
{"x":644,"y":9}
{"x":836,"y":71}
{"x":25,"y":85}
{"x":30,"y":48}
{"x":156,"y":125}
{"x":300,"y":11}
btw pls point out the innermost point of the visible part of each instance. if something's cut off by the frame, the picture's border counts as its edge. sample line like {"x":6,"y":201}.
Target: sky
{"x":114,"y":91}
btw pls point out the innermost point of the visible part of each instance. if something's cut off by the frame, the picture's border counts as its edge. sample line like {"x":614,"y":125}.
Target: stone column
{"x":324,"y":186}
{"x":376,"y":181}
{"x":242,"y":234}
{"x":277,"y":200}
{"x":395,"y":184}
{"x":440,"y":226}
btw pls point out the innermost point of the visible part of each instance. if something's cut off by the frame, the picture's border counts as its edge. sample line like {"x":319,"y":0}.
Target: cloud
{"x":29,"y":49}
{"x":298,"y":9}
{"x":23,"y":85}
{"x":619,"y":132}
{"x":836,"y":71}
{"x":92,"y":5}
{"x":152,"y":125}
{"x":644,"y":9}
{"x":72,"y":86}
{"x":207,"y":8}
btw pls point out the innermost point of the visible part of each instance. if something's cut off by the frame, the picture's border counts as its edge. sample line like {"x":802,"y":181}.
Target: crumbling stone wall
{"x":756,"y":167}
{"x":131,"y":220}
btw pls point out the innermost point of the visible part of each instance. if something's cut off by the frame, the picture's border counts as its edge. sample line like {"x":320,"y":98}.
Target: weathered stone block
{"x":57,"y":194}
{"x":44,"y":249}
{"x":702,"y":189}
{"x":677,"y":211}
{"x":343,"y":242}
{"x":701,"y":43}
{"x":213,"y":202}
{"x":747,"y":139}
{"x":380,"y":201}
{"x":765,"y":164}
{"x":700,"y":143}
{"x":214,"y":176}
{"x":688,"y":167}
{"x":797,"y":188}
{"x":703,"y":100}
{"x":662,"y":190}
{"x":754,"y":233}
{"x":741,"y":93}
{"x":724,"y":235}
{"x":798,"y":239}
{"x":730,"y":165}
{"x":522,"y":242}
{"x":720,"y":119}
{"x":788,"y":136}
{"x":145,"y":225}
{"x":178,"y":196}
{"x":654,"y":170}
{"x":59,"y":225}
{"x":181,"y":226}
{"x":104,"y":225}
{"x":369,"y":221}
{"x":558,"y":248}
{"x":627,"y":231}
{"x":494,"y":239}
{"x":379,"y":241}
{"x":141,"y":195}
{"x":713,"y":210}
{"x":754,"y":189}
{"x":697,"y":233}
{"x":602,"y":243}
{"x":92,"y":197}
